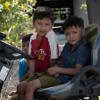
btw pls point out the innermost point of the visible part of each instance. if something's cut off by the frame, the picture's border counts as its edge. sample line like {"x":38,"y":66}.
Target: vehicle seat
{"x":72,"y":88}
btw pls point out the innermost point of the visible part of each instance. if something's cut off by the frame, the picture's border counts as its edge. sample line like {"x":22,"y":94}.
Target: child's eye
{"x":39,"y":24}
{"x":47,"y":24}
{"x":74,"y":32}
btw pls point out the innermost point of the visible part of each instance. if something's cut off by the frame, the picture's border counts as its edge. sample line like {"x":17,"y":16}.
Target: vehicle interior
{"x":84,"y":84}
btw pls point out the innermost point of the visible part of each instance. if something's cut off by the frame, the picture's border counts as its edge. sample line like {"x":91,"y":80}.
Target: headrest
{"x":2,"y":36}
{"x":91,"y":33}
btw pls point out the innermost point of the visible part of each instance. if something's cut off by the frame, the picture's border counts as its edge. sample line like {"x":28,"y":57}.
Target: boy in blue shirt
{"x":75,"y":55}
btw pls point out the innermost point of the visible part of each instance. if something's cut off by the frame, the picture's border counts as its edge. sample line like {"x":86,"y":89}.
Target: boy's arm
{"x":31,"y":64}
{"x":53,"y":62}
{"x":82,"y":59}
{"x":53,"y":47}
{"x":68,"y":71}
{"x":71,"y":71}
{"x":24,"y":78}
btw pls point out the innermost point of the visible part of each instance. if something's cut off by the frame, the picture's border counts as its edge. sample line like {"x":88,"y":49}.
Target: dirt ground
{"x":11,"y":82}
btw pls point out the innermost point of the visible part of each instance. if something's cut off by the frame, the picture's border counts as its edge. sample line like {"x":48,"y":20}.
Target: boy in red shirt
{"x":43,"y":44}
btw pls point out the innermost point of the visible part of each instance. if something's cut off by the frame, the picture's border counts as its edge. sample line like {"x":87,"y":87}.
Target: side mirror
{"x":2,"y":36}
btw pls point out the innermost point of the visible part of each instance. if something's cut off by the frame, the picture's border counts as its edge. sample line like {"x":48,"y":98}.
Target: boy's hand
{"x":53,"y":71}
{"x":25,"y":77}
{"x":29,"y":74}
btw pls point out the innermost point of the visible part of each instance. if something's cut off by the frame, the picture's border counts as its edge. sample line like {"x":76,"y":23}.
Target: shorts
{"x":45,"y":79}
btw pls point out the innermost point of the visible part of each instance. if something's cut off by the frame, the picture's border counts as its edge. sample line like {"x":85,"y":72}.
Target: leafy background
{"x":15,"y":19}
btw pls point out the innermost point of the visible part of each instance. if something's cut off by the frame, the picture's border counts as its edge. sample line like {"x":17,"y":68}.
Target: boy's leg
{"x":43,"y":81}
{"x":21,"y":90}
{"x":22,"y":86}
{"x":30,"y":89}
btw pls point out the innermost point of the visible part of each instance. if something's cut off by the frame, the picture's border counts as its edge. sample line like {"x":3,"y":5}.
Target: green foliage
{"x":15,"y":19}
{"x":84,"y":7}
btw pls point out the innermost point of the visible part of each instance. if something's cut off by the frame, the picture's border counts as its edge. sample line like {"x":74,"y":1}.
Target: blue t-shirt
{"x":80,"y":54}
{"x":23,"y":68}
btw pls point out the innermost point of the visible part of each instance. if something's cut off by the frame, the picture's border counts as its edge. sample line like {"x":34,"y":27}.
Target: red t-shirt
{"x":41,"y":51}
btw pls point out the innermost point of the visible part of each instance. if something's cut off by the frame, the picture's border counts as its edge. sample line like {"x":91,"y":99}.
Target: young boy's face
{"x":25,"y":46}
{"x":43,"y":26}
{"x":73,"y":34}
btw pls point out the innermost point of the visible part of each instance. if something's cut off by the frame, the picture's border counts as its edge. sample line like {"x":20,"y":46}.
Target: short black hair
{"x":43,"y":12}
{"x":26,"y":38}
{"x":73,"y":21}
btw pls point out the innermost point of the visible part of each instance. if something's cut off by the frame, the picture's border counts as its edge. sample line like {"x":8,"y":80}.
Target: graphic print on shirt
{"x":41,"y":54}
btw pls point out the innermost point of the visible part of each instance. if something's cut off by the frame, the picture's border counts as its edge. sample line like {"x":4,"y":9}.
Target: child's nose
{"x":43,"y":28}
{"x":71,"y":36}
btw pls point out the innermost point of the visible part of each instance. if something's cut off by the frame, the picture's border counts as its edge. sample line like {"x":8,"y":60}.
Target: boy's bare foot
{"x":13,"y":96}
{"x":12,"y":93}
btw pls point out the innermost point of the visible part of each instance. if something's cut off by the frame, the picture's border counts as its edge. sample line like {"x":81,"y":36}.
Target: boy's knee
{"x":18,"y":88}
{"x":31,"y":86}
{"x":21,"y":86}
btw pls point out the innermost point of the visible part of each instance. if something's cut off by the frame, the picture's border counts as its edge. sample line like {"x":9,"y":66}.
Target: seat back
{"x":96,"y":51}
{"x":93,"y":37}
